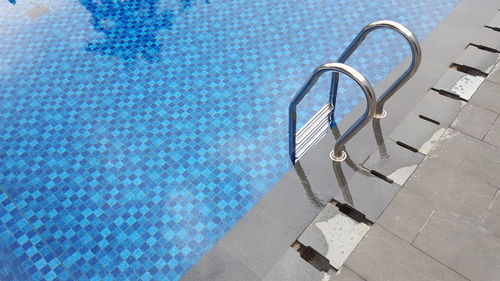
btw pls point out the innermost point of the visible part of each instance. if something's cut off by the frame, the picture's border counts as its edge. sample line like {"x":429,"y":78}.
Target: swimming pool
{"x":134,"y":134}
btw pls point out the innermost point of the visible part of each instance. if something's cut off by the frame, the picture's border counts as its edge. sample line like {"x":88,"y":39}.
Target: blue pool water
{"x":134,"y":134}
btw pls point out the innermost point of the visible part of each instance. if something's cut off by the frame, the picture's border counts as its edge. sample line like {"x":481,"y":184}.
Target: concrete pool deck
{"x":433,"y":210}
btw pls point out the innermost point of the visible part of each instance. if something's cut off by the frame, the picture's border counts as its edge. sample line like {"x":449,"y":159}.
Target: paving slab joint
{"x":468,"y":70}
{"x":484,"y":48}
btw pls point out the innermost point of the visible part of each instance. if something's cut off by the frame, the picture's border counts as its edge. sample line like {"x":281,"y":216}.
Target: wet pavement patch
{"x":334,"y":235}
{"x":459,"y":84}
{"x":394,"y":161}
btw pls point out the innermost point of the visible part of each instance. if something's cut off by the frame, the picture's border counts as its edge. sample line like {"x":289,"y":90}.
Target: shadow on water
{"x":131,"y":27}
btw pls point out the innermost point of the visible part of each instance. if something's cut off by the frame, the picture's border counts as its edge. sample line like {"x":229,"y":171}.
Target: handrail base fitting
{"x":343,"y":156}
{"x":381,"y":115}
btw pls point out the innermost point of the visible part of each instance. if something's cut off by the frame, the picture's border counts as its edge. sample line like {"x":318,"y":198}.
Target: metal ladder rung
{"x":301,"y":152}
{"x":323,"y":115}
{"x":321,"y":126}
{"x":313,"y":131}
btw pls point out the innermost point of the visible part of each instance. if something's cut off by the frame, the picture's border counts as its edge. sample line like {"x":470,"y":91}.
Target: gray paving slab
{"x":345,"y":274}
{"x":393,"y":161}
{"x":452,"y":188}
{"x":430,"y":70}
{"x":406,"y":214}
{"x":474,"y":120}
{"x":220,"y":265}
{"x":441,"y":52}
{"x":382,"y":256}
{"x":291,"y":267}
{"x":486,"y":37}
{"x":488,"y":96}
{"x":494,"y":76}
{"x":367,"y":194}
{"x":472,"y":14}
{"x":418,"y":133}
{"x":294,"y":202}
{"x":476,"y":58}
{"x":439,"y":108}
{"x":494,"y":22}
{"x":334,"y":235}
{"x":491,"y":221}
{"x":451,"y":35}
{"x":462,"y":246}
{"x":459,"y":83}
{"x":465,"y":153}
{"x":258,"y":240}
{"x":493,"y":136}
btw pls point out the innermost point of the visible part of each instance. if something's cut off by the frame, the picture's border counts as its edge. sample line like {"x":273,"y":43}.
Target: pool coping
{"x":252,"y":247}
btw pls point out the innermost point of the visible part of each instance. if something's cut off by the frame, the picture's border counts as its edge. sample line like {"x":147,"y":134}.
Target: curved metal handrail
{"x":415,"y":61}
{"x":338,"y":152}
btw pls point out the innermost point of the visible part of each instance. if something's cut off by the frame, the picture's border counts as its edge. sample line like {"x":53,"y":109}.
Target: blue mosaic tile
{"x":23,"y":253}
{"x":134,"y":134}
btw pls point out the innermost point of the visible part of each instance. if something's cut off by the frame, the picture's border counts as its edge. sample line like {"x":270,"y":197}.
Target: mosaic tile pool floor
{"x":134,"y":134}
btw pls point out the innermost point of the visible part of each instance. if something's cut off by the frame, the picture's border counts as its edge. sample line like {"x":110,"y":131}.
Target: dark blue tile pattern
{"x":24,"y":255}
{"x":134,"y":134}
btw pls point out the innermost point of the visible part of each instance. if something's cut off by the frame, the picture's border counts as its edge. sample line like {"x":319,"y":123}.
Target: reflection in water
{"x":338,"y":169}
{"x":377,"y":130}
{"x":307,"y":186}
{"x":339,"y":174}
{"x":342,"y":181}
{"x":130,"y":27}
{"x":348,"y":160}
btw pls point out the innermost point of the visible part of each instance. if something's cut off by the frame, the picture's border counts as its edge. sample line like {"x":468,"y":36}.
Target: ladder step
{"x":314,"y":130}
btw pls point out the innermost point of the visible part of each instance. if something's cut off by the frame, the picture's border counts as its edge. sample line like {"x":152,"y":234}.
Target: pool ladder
{"x":311,"y":133}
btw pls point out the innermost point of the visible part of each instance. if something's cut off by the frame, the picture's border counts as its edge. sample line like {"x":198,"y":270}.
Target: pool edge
{"x":440,"y":48}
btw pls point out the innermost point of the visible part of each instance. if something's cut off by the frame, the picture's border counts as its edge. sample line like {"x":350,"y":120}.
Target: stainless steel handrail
{"x":415,"y":61}
{"x":338,"y":153}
